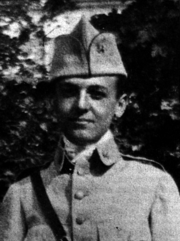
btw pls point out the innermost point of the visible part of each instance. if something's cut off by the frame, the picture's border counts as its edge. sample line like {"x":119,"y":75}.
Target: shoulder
{"x":23,"y":183}
{"x":143,"y":162}
{"x":149,"y":172}
{"x":24,"y":176}
{"x":145,"y":169}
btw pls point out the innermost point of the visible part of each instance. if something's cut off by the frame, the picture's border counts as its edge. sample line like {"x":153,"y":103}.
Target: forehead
{"x":100,"y":81}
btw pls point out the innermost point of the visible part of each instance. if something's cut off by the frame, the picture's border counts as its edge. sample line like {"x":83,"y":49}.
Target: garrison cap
{"x":85,"y":52}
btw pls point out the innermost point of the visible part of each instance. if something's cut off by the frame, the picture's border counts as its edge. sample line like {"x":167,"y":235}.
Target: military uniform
{"x":100,"y":196}
{"x":104,"y":198}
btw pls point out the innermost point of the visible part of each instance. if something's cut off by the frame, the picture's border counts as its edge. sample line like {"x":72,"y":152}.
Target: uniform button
{"x":80,"y":220}
{"x":79,"y":195}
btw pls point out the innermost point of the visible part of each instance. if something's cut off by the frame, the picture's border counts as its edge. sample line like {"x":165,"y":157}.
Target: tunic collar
{"x":106,"y":148}
{"x":108,"y":152}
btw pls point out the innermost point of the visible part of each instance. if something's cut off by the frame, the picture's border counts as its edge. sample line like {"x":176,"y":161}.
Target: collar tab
{"x":108,"y":152}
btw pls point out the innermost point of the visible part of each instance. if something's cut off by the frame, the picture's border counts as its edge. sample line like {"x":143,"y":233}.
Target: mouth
{"x":81,"y":120}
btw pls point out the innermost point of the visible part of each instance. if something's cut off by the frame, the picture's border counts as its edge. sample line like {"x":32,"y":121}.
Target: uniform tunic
{"x":106,"y":198}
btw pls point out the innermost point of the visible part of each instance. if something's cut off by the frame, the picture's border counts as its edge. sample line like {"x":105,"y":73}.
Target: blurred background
{"x":148,"y":35}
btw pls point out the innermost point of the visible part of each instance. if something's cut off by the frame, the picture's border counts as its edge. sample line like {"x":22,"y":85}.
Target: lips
{"x":81,"y":120}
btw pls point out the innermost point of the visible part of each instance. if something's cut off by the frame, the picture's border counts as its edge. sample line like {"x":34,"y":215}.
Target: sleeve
{"x":165,"y":213}
{"x":12,"y":222}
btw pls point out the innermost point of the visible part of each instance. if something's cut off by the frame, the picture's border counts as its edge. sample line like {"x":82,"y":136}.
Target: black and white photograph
{"x":90,"y":120}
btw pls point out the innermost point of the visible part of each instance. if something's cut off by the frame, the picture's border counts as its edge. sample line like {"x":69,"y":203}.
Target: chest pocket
{"x":110,"y":231}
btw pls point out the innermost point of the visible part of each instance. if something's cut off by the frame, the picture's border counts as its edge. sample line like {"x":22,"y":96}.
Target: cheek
{"x":106,"y":112}
{"x":64,"y":106}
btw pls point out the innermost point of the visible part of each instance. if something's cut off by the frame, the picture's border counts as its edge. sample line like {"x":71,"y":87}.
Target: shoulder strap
{"x":143,"y":160}
{"x":46,"y":207}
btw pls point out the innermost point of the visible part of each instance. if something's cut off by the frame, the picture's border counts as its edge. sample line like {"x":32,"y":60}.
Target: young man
{"x":95,"y":193}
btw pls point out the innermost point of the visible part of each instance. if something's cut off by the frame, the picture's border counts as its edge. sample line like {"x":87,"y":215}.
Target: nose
{"x":83,"y":101}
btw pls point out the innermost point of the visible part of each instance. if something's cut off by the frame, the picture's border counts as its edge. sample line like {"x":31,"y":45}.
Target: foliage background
{"x":148,"y":34}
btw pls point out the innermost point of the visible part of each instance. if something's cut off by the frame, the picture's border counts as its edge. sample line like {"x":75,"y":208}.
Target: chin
{"x":82,"y":138}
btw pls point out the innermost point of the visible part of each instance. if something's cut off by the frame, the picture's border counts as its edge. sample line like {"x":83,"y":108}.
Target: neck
{"x":74,"y":150}
{"x":79,"y":148}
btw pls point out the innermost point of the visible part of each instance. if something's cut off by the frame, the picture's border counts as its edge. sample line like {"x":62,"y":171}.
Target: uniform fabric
{"x":105,"y":198}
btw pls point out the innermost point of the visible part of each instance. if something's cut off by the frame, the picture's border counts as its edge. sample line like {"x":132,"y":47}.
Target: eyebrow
{"x":94,"y":86}
{"x":66,"y":84}
{"x":99,"y":87}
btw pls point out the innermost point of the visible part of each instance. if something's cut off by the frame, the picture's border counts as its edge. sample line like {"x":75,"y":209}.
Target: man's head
{"x":88,"y":71}
{"x":86,"y":107}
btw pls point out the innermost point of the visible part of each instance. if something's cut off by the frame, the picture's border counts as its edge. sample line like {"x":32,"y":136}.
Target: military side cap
{"x":85,"y":52}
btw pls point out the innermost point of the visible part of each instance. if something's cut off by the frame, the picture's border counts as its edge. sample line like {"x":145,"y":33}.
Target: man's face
{"x":86,"y":107}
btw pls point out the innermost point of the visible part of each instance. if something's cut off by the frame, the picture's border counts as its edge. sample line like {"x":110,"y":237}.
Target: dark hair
{"x":45,"y":90}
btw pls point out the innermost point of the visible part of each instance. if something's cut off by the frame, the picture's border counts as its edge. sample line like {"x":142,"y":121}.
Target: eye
{"x":97,"y":94}
{"x":67,"y":91}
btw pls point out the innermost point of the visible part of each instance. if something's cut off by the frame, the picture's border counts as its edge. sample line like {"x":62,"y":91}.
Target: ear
{"x":121,"y":106}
